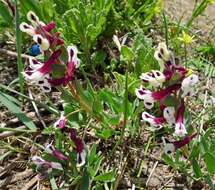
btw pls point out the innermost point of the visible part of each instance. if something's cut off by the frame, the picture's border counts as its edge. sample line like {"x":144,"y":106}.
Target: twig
{"x":22,"y":175}
{"x":10,"y":133}
{"x":119,"y":177}
{"x":150,"y":175}
{"x":13,"y":54}
{"x":36,"y":109}
{"x":165,"y":184}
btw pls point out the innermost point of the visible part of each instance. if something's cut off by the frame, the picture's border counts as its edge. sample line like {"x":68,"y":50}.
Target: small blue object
{"x":34,"y":50}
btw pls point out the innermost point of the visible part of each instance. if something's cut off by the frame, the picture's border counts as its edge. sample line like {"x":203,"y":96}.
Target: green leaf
{"x":85,"y":182}
{"x":168,"y":160}
{"x":4,"y":12}
{"x":105,"y":133}
{"x":58,"y":70}
{"x":210,"y":182}
{"x":209,"y":161}
{"x":106,"y":177}
{"x":196,"y":168}
{"x":171,"y":101}
{"x":127,"y":53}
{"x":31,"y":5}
{"x":12,"y":107}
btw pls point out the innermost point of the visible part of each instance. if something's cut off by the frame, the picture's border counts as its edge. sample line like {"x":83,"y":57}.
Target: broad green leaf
{"x":195,"y":151}
{"x":196,"y":168}
{"x":12,"y":107}
{"x":209,"y":161}
{"x":106,"y":177}
{"x":105,"y":133}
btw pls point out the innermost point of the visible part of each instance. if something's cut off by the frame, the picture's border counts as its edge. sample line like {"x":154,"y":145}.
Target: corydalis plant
{"x":60,"y":62}
{"x":168,"y":89}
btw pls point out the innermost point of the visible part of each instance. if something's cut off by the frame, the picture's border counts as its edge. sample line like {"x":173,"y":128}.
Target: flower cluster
{"x":170,"y":87}
{"x":79,"y":144}
{"x":58,"y":155}
{"x":54,"y":70}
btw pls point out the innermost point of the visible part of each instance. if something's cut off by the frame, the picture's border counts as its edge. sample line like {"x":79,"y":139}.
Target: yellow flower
{"x":186,"y":38}
{"x":159,"y":6}
{"x":211,"y":1}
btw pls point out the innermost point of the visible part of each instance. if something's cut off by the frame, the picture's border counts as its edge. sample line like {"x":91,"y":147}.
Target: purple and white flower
{"x":150,"y":98}
{"x":79,"y":145}
{"x":155,"y":122}
{"x":180,"y":129}
{"x":61,"y":122}
{"x":56,"y":153}
{"x":188,"y":85}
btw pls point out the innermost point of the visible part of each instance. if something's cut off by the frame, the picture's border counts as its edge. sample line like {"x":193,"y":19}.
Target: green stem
{"x":165,"y":28}
{"x":198,"y":10}
{"x":185,"y":54}
{"x":125,"y":107}
{"x":18,"y":49}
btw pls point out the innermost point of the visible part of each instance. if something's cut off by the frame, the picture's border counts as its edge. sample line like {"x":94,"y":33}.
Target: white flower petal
{"x":180,"y":130}
{"x":38,"y":160}
{"x":49,"y":148}
{"x":151,"y":120}
{"x":81,"y":158}
{"x":116,"y":41}
{"x":73,"y":55}
{"x":56,"y":165}
{"x":24,"y":27}
{"x":148,"y":101}
{"x":34,"y":64}
{"x":169,"y":115}
{"x":43,"y":42}
{"x":168,"y":147}
{"x":33,"y":18}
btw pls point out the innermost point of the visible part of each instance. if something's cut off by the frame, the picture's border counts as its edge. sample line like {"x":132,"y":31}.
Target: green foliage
{"x":85,"y":21}
{"x":5,"y":14}
{"x":105,"y":104}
